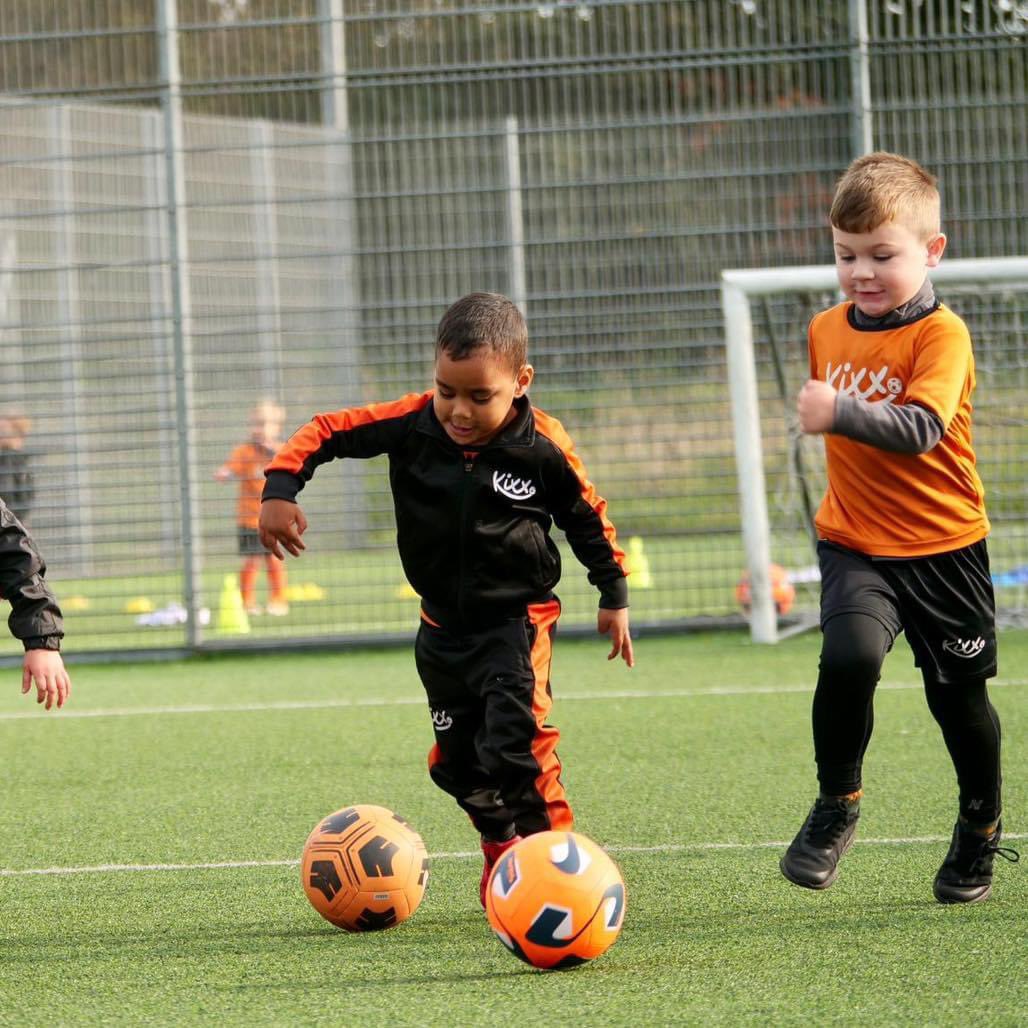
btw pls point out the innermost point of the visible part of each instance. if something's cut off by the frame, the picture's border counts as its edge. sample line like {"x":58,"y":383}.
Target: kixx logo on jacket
{"x":513,"y":488}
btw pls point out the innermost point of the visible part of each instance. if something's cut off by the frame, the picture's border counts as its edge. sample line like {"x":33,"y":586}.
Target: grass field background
{"x":695,"y":769}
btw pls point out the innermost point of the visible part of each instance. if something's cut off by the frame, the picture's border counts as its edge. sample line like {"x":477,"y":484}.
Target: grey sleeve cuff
{"x":900,"y":428}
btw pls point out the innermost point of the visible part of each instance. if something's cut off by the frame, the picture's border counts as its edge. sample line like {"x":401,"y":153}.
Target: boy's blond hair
{"x":268,"y":410}
{"x":879,"y":188}
{"x":484,"y":321}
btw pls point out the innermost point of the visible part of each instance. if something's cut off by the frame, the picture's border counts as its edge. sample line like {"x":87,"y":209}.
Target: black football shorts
{"x":944,"y":603}
{"x":250,"y":543}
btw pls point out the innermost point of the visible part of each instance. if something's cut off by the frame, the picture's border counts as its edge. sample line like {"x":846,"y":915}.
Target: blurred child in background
{"x":246,"y":464}
{"x":17,"y":486}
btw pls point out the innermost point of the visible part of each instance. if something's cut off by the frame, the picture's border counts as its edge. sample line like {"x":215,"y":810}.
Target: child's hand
{"x":46,"y":669}
{"x":816,"y":407}
{"x":615,"y":624}
{"x":282,"y":522}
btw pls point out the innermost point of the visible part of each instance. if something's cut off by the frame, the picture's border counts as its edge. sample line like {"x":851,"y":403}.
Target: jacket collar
{"x":919,"y":306}
{"x":520,"y":431}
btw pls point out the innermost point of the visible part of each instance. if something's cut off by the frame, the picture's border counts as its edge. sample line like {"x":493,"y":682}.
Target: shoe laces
{"x":983,"y":850}
{"x":826,"y":823}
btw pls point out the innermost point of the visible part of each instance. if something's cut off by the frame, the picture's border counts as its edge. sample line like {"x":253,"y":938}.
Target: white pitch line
{"x":461,"y":855}
{"x":414,"y":701}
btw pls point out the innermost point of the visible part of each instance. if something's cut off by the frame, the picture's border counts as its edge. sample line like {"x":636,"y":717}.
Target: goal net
{"x":781,"y":471}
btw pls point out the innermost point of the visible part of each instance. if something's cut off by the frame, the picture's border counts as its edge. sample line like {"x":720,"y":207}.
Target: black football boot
{"x":812,"y":859}
{"x":966,"y":873}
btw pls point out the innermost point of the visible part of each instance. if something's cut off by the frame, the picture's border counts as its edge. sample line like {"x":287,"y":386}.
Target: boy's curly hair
{"x":484,"y":320}
{"x":882,"y":187}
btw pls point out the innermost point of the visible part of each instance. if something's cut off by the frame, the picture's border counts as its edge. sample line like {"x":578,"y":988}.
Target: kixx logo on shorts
{"x":513,"y":488}
{"x":441,"y":720}
{"x":852,"y":383}
{"x":966,"y":648}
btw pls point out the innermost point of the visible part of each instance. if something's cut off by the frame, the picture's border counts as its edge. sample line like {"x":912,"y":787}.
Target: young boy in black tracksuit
{"x":35,"y":617}
{"x":477,"y":475}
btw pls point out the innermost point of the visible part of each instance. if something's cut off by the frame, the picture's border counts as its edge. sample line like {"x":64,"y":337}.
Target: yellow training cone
{"x":638,"y":565}
{"x":232,"y":619}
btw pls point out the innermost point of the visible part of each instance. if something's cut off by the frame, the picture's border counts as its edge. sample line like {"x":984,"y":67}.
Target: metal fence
{"x":207,"y":203}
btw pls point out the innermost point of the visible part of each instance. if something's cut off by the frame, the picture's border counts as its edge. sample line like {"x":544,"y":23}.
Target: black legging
{"x":852,"y":652}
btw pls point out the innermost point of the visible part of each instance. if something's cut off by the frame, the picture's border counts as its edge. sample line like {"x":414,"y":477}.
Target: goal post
{"x":740,"y":288}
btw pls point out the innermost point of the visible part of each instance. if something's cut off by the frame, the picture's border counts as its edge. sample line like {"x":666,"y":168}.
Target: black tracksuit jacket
{"x":35,"y":617}
{"x":472,"y":526}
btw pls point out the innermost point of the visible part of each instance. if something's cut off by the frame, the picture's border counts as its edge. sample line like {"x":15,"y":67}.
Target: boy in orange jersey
{"x":246,"y":463}
{"x":16,"y":479}
{"x":35,"y":617}
{"x":478,"y":475}
{"x":902,"y":525}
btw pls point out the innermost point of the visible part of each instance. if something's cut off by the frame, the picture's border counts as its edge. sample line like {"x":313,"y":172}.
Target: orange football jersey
{"x":897,"y":504}
{"x":247,"y":463}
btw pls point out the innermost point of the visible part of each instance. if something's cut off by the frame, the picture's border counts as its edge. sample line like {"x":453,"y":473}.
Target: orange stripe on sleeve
{"x":555,"y":432}
{"x":312,"y":437}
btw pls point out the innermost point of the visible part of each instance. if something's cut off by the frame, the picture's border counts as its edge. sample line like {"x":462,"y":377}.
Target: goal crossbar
{"x":737,"y":286}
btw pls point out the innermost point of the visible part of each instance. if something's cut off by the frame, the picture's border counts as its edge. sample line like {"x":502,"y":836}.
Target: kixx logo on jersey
{"x":964,"y":647}
{"x":864,"y":384}
{"x":513,"y":488}
{"x":441,"y":720}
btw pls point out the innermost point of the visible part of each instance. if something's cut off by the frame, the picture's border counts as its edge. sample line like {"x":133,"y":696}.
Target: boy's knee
{"x":960,"y":703}
{"x":854,"y":647}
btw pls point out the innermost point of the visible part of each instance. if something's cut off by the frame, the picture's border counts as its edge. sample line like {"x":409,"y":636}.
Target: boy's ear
{"x":935,"y":247}
{"x":523,"y":379}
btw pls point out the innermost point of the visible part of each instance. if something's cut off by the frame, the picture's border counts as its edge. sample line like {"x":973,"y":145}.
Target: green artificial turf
{"x":694,"y":769}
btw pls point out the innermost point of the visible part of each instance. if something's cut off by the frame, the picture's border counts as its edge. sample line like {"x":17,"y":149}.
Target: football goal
{"x":781,"y":471}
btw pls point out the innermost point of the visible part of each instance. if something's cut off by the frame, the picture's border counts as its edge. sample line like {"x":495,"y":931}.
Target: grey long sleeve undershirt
{"x":906,"y":428}
{"x":909,"y":428}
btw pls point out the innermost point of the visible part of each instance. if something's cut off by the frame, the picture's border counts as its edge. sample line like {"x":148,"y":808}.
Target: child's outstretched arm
{"x":615,"y":624}
{"x":35,"y":617}
{"x":281,"y":525}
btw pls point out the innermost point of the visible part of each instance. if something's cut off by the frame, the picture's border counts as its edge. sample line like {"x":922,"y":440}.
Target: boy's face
{"x":474,"y":396}
{"x":882,"y":269}
{"x":264,"y":429}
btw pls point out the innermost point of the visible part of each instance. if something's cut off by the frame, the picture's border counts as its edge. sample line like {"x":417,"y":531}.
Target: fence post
{"x":860,"y":78}
{"x":515,"y":218}
{"x":69,"y":316}
{"x":269,"y":298}
{"x":155,"y":194}
{"x":334,"y":103}
{"x":181,"y":310}
{"x":342,"y":323}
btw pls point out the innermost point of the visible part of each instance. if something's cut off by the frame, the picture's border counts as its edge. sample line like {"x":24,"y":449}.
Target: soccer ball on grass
{"x":364,"y":868}
{"x":556,"y":900}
